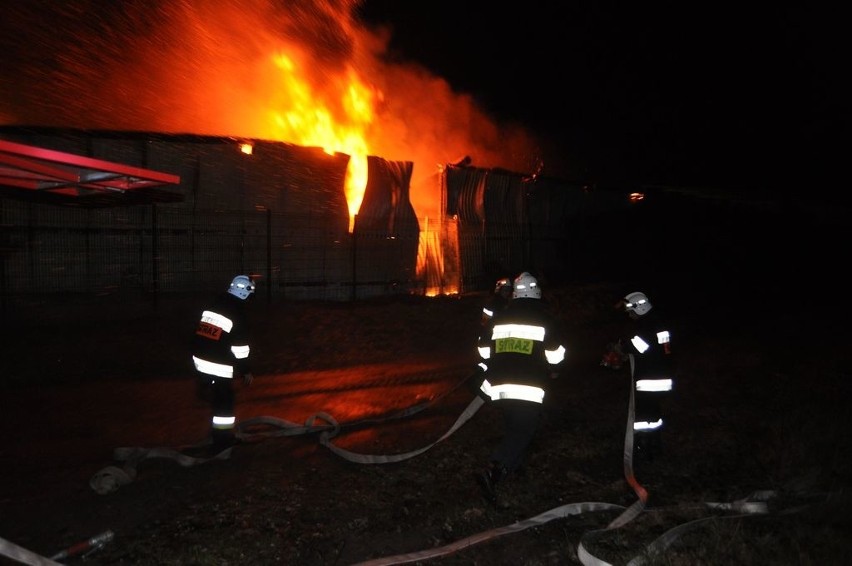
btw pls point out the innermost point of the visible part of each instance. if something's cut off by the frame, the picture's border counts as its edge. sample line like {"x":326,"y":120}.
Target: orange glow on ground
{"x":359,"y":396}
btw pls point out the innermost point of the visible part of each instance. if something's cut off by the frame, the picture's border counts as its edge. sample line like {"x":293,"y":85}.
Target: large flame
{"x":302,"y":71}
{"x":298,"y":115}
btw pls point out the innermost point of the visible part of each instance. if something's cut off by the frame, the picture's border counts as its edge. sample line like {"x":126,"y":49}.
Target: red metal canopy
{"x":53,"y":172}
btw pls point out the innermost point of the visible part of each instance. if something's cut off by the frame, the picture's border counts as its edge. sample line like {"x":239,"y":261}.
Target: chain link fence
{"x":56,"y":257}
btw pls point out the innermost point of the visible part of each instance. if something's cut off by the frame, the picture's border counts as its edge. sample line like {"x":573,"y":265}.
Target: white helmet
{"x":637,"y":302}
{"x":241,"y":287}
{"x":526,"y":287}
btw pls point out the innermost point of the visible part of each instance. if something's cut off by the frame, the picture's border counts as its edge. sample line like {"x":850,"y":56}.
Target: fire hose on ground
{"x":111,"y":478}
{"x":82,"y":549}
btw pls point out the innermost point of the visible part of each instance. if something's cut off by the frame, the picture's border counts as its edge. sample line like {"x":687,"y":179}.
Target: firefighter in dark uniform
{"x":519,"y":355}
{"x":648,"y":349}
{"x":502,"y":295}
{"x":220,"y":353}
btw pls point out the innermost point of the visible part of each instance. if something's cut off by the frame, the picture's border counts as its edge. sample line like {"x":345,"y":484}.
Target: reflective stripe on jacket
{"x":513,"y":391}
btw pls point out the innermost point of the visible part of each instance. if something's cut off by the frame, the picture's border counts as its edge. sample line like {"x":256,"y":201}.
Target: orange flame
{"x":298,"y":115}
{"x":300,"y":72}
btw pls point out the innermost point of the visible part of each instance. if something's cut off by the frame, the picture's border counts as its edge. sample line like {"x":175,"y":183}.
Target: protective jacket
{"x":520,"y":352}
{"x":221,"y":342}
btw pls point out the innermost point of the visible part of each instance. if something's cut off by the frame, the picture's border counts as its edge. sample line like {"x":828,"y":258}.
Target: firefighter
{"x":519,"y":355}
{"x":498,"y":301}
{"x":648,"y":349}
{"x":220,"y":353}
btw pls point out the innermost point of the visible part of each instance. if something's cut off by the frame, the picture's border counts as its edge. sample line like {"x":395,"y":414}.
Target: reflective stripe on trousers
{"x":646,"y":426}
{"x":223,"y":423}
{"x":653,"y":385}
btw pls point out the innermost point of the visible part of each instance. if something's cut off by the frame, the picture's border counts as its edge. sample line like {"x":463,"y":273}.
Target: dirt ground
{"x":757,"y":461}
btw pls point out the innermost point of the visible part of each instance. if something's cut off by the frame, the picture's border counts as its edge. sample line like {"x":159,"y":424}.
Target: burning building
{"x":303,"y":153}
{"x":279,"y":211}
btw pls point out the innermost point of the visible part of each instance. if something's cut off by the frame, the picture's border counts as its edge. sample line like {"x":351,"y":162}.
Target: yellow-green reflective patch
{"x":513,"y":345}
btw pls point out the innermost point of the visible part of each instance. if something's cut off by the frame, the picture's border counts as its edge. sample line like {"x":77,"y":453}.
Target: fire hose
{"x":112,"y":477}
{"x":753,"y":504}
{"x":83,"y":548}
{"x":86,"y":547}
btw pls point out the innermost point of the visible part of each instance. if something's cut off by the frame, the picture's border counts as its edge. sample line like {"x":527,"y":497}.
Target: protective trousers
{"x":222,"y":399}
{"x":521,"y":420}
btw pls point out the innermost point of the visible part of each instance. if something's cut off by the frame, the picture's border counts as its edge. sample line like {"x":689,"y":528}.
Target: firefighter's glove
{"x":248,"y":378}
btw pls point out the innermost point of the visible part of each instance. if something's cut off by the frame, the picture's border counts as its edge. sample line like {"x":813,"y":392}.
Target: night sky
{"x":672,"y":93}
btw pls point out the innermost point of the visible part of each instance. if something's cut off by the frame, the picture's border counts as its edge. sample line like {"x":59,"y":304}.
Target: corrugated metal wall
{"x":280,"y":213}
{"x":508,"y":222}
{"x":156,"y":249}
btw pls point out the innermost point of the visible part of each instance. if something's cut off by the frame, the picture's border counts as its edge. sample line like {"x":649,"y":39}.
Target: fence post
{"x":354,"y":256}
{"x":268,"y":255}
{"x":155,"y":256}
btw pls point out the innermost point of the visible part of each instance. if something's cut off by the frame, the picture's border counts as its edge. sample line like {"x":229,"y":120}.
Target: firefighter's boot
{"x":488,"y":480}
{"x":222,"y":439}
